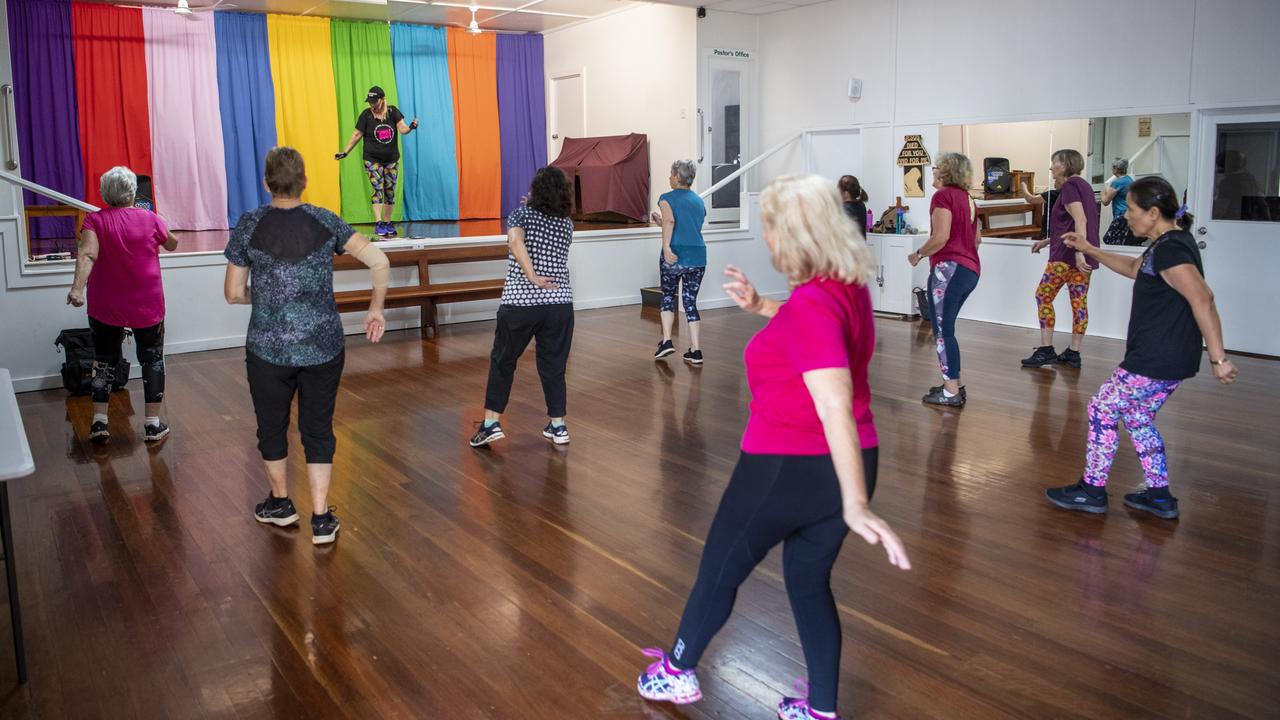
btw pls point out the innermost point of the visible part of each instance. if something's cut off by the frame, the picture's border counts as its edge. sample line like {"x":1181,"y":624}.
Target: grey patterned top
{"x":295,"y":321}
{"x":547,"y":238}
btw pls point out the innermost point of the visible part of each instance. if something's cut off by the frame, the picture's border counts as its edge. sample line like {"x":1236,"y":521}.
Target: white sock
{"x":151,"y":420}
{"x":947,"y":393}
{"x":99,"y":417}
{"x":820,"y":713}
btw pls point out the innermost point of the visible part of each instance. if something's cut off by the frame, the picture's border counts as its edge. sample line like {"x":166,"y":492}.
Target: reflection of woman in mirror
{"x":1114,"y":193}
{"x":1232,"y":185}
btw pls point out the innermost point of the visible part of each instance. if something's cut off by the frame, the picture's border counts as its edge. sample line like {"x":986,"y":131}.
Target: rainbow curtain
{"x":195,"y":102}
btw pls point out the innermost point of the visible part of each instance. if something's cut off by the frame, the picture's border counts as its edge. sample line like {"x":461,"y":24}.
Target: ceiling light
{"x":183,"y":8}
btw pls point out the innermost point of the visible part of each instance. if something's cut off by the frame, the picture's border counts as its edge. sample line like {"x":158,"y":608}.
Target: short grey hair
{"x":119,"y":186}
{"x":1120,"y":166}
{"x":684,"y":170}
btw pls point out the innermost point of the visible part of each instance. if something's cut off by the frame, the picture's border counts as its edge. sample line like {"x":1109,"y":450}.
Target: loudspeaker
{"x":145,"y":197}
{"x":995,"y":175}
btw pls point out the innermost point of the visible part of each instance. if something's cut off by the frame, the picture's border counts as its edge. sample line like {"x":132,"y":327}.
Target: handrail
{"x":736,"y":173}
{"x":47,"y":192}
{"x":1134,"y":158}
{"x":6,"y":93}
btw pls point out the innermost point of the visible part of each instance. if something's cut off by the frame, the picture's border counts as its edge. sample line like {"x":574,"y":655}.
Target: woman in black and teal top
{"x":684,"y":256}
{"x":379,"y":126}
{"x":1172,"y":317}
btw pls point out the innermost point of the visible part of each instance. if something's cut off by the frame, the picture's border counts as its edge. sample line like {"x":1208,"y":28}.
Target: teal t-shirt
{"x":1121,"y":201}
{"x":686,"y":239}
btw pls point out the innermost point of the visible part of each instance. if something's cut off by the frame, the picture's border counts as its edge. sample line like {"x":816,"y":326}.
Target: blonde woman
{"x":808,"y":463}
{"x":952,"y":249}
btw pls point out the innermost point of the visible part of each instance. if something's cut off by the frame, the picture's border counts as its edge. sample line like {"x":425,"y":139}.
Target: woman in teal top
{"x":684,"y":256}
{"x":1115,"y":193}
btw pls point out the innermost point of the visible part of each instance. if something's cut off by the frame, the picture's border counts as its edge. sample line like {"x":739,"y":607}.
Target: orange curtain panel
{"x":306,"y":101}
{"x":473,"y":73}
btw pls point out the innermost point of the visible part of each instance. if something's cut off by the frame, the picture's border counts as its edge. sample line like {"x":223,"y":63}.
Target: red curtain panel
{"x":111,"y":92}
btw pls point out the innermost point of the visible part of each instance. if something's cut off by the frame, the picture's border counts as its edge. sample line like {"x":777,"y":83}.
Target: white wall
{"x":640,"y":77}
{"x":1236,"y":53}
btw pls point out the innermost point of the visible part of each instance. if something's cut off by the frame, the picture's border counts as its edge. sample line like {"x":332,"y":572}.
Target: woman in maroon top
{"x":808,"y":463}
{"x":954,"y":267}
{"x":1075,"y":210}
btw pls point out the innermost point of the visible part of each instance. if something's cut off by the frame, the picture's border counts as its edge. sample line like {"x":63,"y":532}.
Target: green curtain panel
{"x":361,"y":59}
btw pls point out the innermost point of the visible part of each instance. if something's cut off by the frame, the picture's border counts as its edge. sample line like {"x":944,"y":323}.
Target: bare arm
{"x":170,"y":242}
{"x":939,"y":234}
{"x":832,"y":393}
{"x":406,"y":128}
{"x":86,"y":256}
{"x":351,"y":143}
{"x":1028,"y":197}
{"x":235,"y":288}
{"x":742,"y":292}
{"x":1108,"y":194}
{"x":1126,"y":265}
{"x":515,"y":241}
{"x":1191,"y":285}
{"x":668,"y":230}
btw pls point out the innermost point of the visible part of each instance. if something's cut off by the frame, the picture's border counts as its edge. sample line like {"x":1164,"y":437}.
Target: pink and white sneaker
{"x":664,"y":683}
{"x":797,"y":708}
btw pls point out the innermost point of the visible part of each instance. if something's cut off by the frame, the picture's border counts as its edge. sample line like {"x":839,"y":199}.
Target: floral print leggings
{"x":1057,"y":274}
{"x":1134,"y":400}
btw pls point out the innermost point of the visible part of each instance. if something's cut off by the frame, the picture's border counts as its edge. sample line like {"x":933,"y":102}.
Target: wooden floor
{"x":522,"y":581}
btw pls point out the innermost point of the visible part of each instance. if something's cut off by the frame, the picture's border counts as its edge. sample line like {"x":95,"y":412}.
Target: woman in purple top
{"x":1075,"y":210}
{"x":118,"y":263}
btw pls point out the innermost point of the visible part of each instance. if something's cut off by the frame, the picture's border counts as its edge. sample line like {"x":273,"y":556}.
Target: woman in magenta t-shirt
{"x":809,"y":453}
{"x":954,"y":267}
{"x":118,"y":259}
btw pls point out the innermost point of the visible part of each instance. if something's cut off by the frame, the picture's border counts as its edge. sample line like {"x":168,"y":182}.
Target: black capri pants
{"x":790,"y":499}
{"x":273,"y":387}
{"x":107,"y":340}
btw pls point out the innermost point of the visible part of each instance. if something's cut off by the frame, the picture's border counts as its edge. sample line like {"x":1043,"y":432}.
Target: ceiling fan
{"x":184,"y":7}
{"x":472,"y":27}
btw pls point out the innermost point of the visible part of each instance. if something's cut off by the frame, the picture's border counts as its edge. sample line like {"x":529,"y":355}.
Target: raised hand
{"x":741,"y":290}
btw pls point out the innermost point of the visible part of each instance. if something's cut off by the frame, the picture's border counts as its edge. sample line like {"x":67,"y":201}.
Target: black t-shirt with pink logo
{"x":381,"y":138}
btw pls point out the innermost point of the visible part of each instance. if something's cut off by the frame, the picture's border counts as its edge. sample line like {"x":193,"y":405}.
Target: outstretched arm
{"x":1126,"y":265}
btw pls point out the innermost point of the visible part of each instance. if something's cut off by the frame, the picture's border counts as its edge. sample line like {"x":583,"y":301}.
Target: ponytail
{"x":1156,"y":192}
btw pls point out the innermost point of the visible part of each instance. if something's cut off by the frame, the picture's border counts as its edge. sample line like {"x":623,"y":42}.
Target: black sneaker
{"x":937,"y":397}
{"x":1042,"y":356}
{"x":324,"y":528}
{"x":1159,"y":503}
{"x":275,"y":511}
{"x":1076,"y":497}
{"x":939,"y":388}
{"x":665,"y":348}
{"x":155,"y":433}
{"x":98,"y":432}
{"x":693,"y":357}
{"x":557,"y":435}
{"x":1069,"y":357}
{"x":485,"y":435}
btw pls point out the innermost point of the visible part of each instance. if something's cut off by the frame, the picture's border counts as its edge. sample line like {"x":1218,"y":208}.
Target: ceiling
{"x":494,"y":15}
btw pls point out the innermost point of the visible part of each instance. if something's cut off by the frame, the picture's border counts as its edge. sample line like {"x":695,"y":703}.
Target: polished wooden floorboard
{"x":522,"y":581}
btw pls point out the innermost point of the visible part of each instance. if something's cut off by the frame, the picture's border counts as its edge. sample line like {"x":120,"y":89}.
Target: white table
{"x":15,"y":462}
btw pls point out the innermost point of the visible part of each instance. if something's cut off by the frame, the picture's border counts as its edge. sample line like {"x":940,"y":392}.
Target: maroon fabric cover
{"x":612,"y":174}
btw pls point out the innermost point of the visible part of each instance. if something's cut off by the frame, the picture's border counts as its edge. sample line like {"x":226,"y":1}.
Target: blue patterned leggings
{"x":690,"y":281}
{"x":949,"y":286}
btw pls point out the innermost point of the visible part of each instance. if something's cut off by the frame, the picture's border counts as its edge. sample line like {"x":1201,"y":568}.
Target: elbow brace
{"x":378,"y":265}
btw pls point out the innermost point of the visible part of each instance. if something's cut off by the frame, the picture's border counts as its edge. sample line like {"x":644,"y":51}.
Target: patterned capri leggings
{"x":690,"y":281}
{"x":949,"y":286}
{"x":1057,"y":274}
{"x":383,"y":179}
{"x":1134,"y":400}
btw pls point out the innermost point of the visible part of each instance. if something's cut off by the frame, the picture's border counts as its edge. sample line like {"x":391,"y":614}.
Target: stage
{"x":521,"y":582}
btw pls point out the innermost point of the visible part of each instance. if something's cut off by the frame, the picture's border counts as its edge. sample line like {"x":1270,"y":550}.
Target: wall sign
{"x":724,"y":52}
{"x":1144,"y":127}
{"x":912,"y":158}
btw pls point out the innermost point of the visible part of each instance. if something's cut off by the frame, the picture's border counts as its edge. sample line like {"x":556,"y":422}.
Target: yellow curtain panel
{"x":306,"y":101}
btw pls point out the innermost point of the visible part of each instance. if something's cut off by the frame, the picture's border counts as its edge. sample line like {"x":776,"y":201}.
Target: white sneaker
{"x":663,"y":683}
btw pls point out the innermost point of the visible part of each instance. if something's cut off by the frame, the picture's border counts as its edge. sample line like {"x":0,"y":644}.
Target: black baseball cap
{"x":375,"y":94}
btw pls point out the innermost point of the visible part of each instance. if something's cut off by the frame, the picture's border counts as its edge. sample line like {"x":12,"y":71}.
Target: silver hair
{"x":119,"y":186}
{"x":684,"y":170}
{"x":1120,"y":166}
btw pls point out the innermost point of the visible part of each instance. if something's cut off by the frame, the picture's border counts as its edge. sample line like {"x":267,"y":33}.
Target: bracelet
{"x":1219,"y":362}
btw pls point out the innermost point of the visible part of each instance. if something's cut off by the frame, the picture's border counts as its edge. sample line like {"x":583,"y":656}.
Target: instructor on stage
{"x":377,"y":126}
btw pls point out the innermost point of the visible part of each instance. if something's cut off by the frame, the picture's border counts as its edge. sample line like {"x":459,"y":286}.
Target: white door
{"x":724,"y":116}
{"x":1237,"y":223}
{"x":568,"y":110}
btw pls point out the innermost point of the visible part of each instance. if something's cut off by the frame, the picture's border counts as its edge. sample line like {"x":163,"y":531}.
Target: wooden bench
{"x":1018,"y":231}
{"x":425,"y":294}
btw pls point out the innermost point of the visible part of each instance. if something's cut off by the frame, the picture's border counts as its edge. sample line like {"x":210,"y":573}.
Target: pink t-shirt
{"x":962,"y":245}
{"x":825,"y":324}
{"x":124,"y":287}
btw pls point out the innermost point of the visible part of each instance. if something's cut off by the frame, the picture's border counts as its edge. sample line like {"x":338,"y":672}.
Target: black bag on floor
{"x":77,"y":367}
{"x":922,"y":302}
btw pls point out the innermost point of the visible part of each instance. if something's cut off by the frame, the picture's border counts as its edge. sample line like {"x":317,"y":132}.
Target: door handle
{"x":555,"y":136}
{"x":1202,"y":230}
{"x":10,"y":163}
{"x":1203,"y":244}
{"x":702,"y":136}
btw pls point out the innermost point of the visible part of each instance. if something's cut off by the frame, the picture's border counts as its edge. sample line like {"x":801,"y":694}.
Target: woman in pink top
{"x":119,"y":261}
{"x":808,"y":463}
{"x":952,"y":249}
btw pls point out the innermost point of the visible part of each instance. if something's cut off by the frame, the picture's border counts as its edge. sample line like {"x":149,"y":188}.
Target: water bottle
{"x":901,"y":224}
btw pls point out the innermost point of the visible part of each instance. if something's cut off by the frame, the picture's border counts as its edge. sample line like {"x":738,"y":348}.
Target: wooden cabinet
{"x":894,"y":280}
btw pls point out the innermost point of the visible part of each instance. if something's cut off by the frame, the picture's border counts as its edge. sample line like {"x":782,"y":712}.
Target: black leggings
{"x":272,"y":388}
{"x":106,"y":357}
{"x":552,"y":326}
{"x":795,"y":500}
